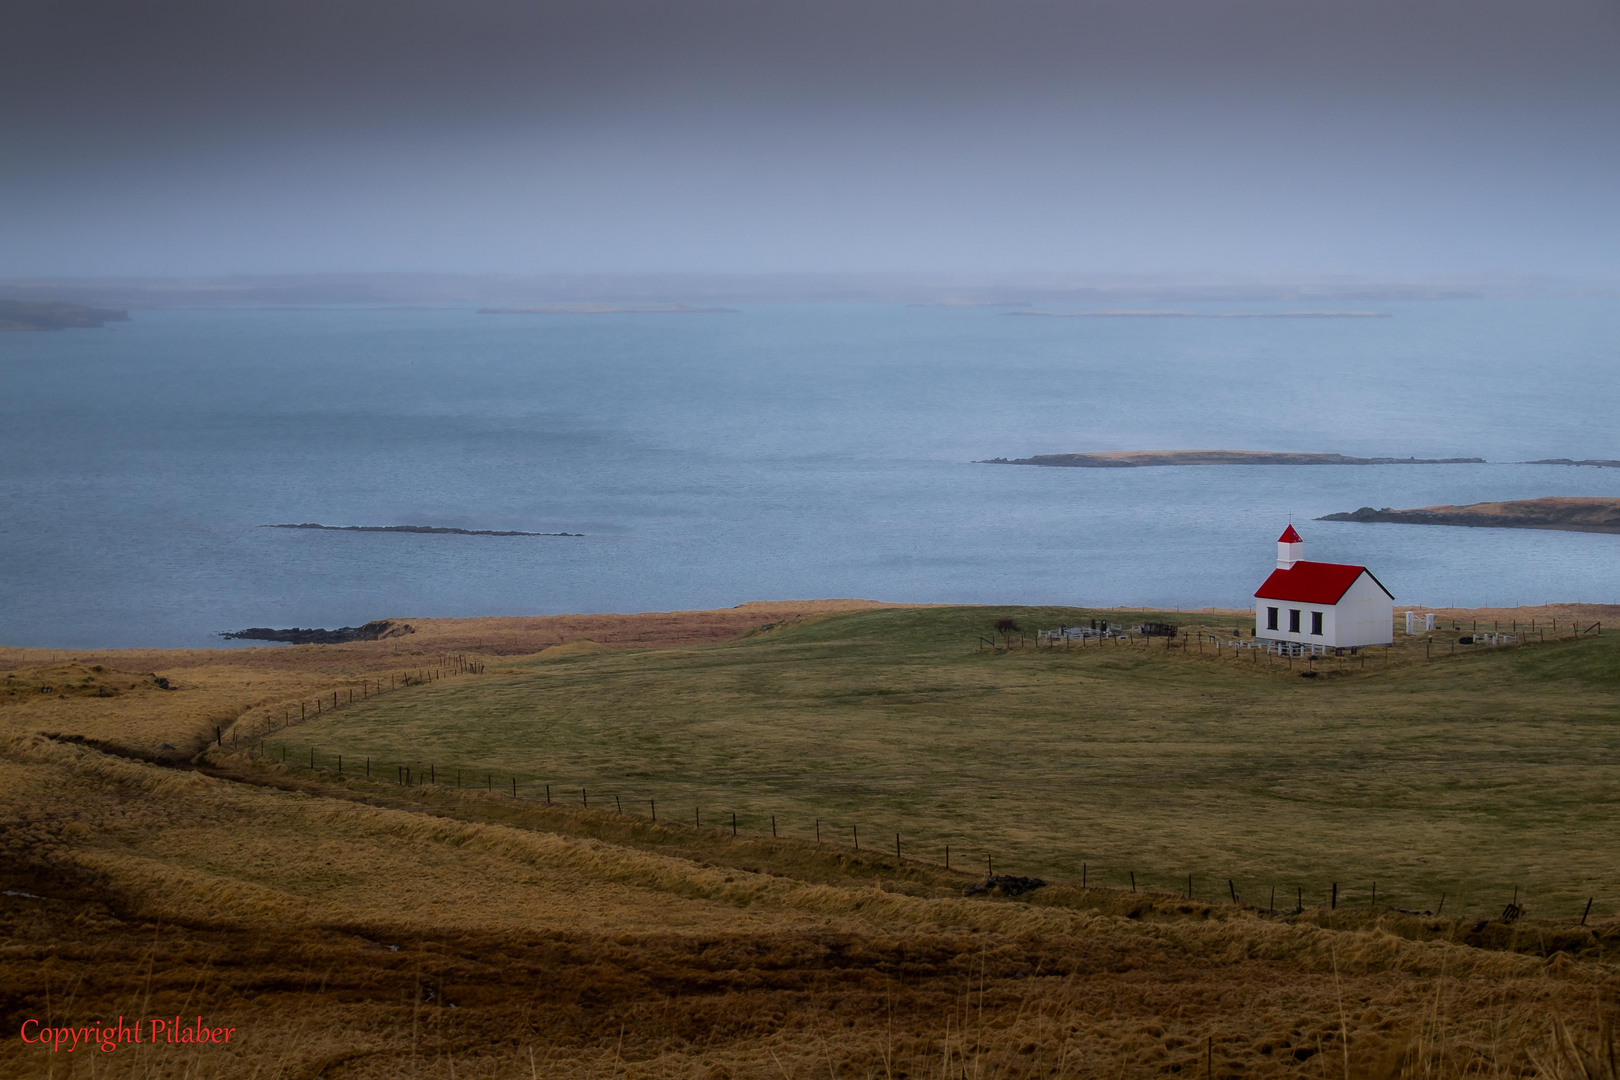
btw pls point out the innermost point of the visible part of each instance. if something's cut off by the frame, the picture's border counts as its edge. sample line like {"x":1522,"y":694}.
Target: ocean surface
{"x":784,"y":451}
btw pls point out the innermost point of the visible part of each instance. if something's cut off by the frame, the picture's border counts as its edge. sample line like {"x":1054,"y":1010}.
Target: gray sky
{"x":1203,"y":136}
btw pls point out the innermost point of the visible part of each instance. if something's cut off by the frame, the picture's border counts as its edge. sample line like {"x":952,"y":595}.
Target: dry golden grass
{"x":258,"y":686}
{"x":355,"y":929}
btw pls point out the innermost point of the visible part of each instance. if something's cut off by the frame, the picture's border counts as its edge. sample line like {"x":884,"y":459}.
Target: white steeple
{"x":1290,"y":548}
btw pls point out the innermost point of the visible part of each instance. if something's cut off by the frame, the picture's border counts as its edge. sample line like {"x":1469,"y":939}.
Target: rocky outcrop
{"x":372,"y":631}
{"x":1134,"y":459}
{"x":1567,"y":514}
{"x":55,"y":315}
{"x":1004,"y":885}
{"x":417,"y":529}
{"x":1602,"y":463}
{"x":608,"y":309}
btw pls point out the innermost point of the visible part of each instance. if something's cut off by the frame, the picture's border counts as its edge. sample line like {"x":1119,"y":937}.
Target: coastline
{"x":1134,"y":459}
{"x":1557,"y":513}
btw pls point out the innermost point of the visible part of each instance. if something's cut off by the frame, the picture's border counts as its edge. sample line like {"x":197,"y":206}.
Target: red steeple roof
{"x":1314,"y":582}
{"x":1289,"y":536}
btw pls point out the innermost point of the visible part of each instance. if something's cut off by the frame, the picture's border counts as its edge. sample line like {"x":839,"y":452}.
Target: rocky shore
{"x":416,"y":529}
{"x":1134,"y":459}
{"x":608,"y":309}
{"x":55,"y":315}
{"x":1115,"y":314}
{"x":1566,"y":514}
{"x":376,"y":630}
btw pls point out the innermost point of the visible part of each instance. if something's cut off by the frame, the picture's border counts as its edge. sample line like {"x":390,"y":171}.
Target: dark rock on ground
{"x":1004,"y":885}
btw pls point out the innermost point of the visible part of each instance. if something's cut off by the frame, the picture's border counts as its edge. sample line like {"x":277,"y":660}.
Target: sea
{"x":778,"y":451}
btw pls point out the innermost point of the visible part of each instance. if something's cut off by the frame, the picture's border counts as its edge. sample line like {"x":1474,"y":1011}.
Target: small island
{"x":1567,"y":514}
{"x":434,"y":529}
{"x":376,"y":630}
{"x":1116,"y":314}
{"x":1601,"y":463}
{"x":55,"y":315}
{"x":1135,"y":459}
{"x":608,"y":309}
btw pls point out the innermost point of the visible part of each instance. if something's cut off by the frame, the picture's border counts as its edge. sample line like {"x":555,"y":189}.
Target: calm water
{"x":781,"y":452}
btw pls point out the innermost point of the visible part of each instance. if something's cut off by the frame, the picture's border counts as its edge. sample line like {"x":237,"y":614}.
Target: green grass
{"x":1471,"y":775}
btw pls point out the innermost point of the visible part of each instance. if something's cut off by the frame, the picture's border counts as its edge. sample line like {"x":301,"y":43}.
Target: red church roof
{"x":1289,"y":536}
{"x":1314,"y":582}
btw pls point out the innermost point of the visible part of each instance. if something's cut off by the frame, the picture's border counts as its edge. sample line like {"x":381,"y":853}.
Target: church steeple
{"x":1290,"y":548}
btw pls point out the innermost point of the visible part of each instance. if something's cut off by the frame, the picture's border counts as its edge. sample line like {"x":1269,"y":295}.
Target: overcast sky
{"x":1406,"y":137}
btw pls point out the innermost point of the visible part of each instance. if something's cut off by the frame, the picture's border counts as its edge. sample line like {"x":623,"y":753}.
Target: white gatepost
{"x":1412,"y":622}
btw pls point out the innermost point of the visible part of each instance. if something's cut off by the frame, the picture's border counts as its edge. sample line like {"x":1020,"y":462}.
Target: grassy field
{"x":1472,"y":776}
{"x":357,"y":929}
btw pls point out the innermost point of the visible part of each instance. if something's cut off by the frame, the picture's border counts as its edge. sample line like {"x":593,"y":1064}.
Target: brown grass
{"x":355,"y":930}
{"x":111,"y":694}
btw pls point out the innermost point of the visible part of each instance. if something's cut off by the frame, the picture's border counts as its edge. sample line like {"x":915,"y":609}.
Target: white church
{"x":1314,"y":603}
